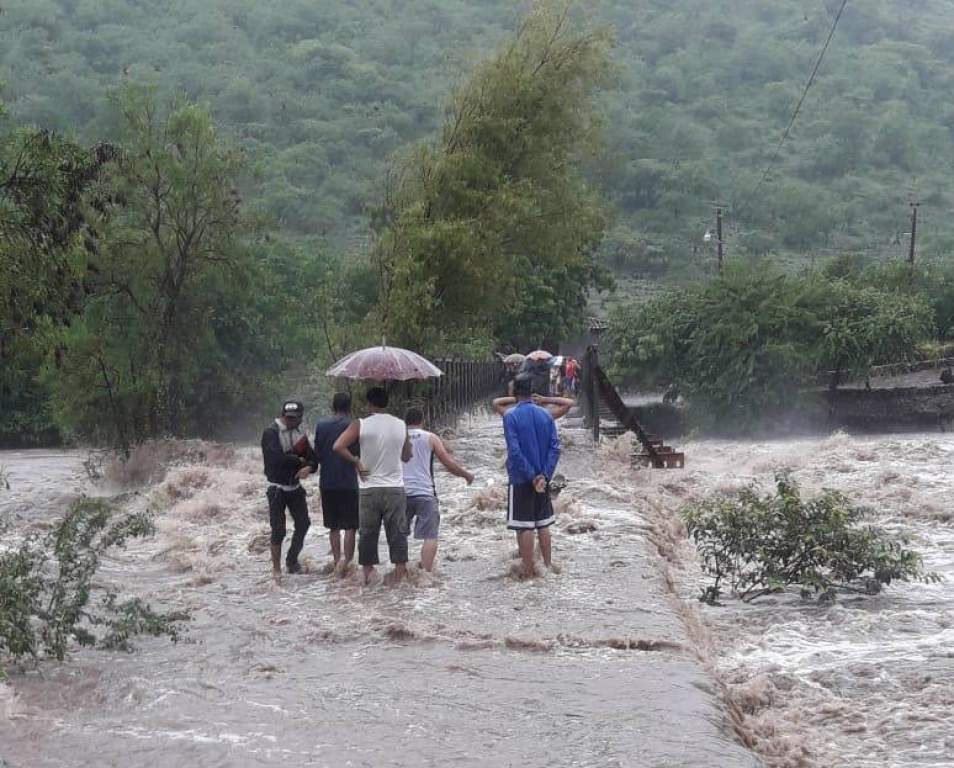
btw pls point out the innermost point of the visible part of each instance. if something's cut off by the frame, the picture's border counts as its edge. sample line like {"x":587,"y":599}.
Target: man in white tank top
{"x":384,"y":447}
{"x":419,"y":483}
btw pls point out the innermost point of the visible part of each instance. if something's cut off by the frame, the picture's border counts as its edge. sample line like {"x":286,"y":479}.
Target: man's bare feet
{"x":396,"y":576}
{"x":368,"y":574}
{"x":277,"y":576}
{"x":520,"y":572}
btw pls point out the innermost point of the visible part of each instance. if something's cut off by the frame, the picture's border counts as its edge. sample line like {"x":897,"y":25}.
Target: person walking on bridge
{"x":422,"y":506}
{"x":289,"y":458}
{"x":384,"y":445}
{"x":570,"y":372}
{"x":339,"y":483}
{"x":533,"y":450}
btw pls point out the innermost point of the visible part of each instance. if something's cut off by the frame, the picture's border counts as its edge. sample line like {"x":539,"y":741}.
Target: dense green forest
{"x":202,"y":203}
{"x":145,"y":292}
{"x":320,"y":93}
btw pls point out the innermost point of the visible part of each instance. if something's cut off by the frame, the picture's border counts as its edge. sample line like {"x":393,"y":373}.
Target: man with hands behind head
{"x":533,"y":450}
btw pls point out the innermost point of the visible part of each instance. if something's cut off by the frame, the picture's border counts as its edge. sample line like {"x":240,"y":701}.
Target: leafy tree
{"x":753,"y":339}
{"x":45,"y":245}
{"x":495,"y":220}
{"x":760,"y":544}
{"x":181,"y":324}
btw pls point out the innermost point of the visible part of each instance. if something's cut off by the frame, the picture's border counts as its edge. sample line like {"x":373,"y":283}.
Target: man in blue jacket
{"x":533,"y":450}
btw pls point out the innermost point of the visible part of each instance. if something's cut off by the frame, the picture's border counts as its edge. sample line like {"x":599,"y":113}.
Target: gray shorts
{"x":377,"y":507}
{"x":426,"y":515}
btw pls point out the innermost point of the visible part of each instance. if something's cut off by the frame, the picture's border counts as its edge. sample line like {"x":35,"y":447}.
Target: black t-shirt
{"x":336,"y":473}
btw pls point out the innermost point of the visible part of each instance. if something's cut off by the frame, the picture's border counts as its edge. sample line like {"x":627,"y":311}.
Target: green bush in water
{"x":46,"y":586}
{"x":759,"y":544}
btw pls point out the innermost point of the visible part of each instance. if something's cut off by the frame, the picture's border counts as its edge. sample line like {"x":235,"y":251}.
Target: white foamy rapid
{"x":588,"y":666}
{"x":609,"y":662}
{"x":868,"y":681}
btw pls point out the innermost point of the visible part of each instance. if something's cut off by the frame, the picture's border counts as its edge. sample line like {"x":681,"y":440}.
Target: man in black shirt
{"x":339,"y":482}
{"x":289,"y":458}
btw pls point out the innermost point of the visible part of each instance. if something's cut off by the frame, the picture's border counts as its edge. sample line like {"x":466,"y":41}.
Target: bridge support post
{"x":592,"y":361}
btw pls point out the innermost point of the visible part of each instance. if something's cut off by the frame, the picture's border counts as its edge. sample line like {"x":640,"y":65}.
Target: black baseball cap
{"x":293,"y":408}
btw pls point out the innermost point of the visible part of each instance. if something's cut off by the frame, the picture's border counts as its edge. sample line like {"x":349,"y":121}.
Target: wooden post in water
{"x":719,"y":236}
{"x":594,"y":393}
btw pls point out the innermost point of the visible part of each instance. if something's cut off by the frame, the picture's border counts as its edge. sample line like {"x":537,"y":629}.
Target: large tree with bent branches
{"x":488,"y":233}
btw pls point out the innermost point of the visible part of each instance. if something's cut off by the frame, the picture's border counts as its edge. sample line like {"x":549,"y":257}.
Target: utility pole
{"x":719,"y":236}
{"x":914,"y":231}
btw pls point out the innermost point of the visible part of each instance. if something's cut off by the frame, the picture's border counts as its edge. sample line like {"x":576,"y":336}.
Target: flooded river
{"x":610,"y":662}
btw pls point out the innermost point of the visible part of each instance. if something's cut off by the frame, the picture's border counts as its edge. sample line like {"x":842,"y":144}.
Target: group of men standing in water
{"x":378,"y":471}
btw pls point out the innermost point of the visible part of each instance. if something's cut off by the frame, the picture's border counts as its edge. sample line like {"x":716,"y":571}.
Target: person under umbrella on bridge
{"x":384,"y":446}
{"x":289,"y":458}
{"x":533,"y":450}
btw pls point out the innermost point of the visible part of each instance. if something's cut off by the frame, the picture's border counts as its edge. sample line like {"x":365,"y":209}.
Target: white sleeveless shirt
{"x":419,"y":471}
{"x":382,"y":440}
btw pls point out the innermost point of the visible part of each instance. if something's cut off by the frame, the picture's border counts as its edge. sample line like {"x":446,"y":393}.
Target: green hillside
{"x":319,"y":94}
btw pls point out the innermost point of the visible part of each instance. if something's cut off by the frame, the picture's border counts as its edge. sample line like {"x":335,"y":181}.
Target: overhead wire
{"x":796,"y":111}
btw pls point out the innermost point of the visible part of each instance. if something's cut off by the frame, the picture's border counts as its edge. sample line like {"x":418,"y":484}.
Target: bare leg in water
{"x":525,"y":546}
{"x":277,"y":560}
{"x":428,"y":554}
{"x":343,"y":559}
{"x":368,"y":572}
{"x":348,"y":547}
{"x":334,"y":537}
{"x":545,"y":547}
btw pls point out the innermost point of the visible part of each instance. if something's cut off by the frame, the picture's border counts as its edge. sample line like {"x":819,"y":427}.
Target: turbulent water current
{"x":609,"y":661}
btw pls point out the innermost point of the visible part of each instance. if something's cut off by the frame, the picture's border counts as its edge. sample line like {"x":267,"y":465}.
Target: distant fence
{"x":465,"y":383}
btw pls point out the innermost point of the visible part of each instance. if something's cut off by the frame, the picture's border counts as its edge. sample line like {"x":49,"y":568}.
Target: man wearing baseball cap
{"x":289,"y":458}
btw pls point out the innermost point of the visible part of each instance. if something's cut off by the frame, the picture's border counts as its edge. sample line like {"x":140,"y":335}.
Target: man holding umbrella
{"x":384,"y":446}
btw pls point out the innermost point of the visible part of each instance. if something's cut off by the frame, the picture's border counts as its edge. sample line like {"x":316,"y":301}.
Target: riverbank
{"x":591,"y":666}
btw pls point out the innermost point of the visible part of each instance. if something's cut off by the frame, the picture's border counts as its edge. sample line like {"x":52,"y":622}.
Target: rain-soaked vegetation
{"x":202,"y":202}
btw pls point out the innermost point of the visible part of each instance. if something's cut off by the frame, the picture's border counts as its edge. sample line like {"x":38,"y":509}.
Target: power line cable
{"x":798,"y":108}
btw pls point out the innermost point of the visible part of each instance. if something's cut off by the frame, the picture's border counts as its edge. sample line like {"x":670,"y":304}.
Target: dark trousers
{"x":297,"y":505}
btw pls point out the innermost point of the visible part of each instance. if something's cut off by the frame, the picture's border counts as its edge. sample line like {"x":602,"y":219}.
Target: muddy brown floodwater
{"x":610,"y":662}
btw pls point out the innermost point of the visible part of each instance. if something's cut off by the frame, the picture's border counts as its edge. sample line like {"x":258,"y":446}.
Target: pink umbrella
{"x":384,"y":363}
{"x":540,"y":354}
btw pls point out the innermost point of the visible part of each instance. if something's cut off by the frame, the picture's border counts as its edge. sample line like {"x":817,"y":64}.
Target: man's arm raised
{"x":557,"y":407}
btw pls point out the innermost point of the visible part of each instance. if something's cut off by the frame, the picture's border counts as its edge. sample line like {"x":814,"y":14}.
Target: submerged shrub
{"x":758,"y":544}
{"x":46,"y":585}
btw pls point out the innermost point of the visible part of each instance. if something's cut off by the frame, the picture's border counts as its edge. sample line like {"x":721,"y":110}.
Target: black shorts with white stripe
{"x":527,"y":509}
